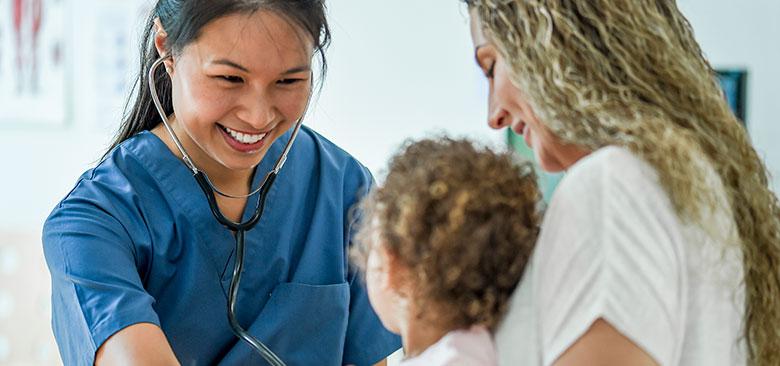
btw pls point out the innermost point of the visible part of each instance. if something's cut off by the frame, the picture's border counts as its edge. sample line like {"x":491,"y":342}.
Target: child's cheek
{"x":379,"y":293}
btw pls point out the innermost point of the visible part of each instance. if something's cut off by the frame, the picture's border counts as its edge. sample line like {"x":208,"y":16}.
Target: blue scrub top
{"x":135,"y":242}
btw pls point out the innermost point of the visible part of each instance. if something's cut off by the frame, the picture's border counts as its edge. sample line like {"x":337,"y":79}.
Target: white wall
{"x":399,"y":68}
{"x":41,"y":163}
{"x":388,"y":80}
{"x":392,"y":79}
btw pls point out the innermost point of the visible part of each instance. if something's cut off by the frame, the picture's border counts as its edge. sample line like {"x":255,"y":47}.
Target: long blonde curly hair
{"x":630,"y":73}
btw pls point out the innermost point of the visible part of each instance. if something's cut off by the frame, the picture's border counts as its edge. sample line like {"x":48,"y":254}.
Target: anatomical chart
{"x":32,"y":62}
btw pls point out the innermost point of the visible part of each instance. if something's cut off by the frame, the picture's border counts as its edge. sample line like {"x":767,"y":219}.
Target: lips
{"x":243,"y":141}
{"x":519,"y":127}
{"x":527,"y":135}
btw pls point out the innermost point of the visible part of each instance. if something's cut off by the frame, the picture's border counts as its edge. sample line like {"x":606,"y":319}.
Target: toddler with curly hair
{"x":443,"y":244}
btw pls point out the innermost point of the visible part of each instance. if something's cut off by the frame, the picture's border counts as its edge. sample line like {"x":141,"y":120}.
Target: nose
{"x":258,"y":110}
{"x":498,"y":119}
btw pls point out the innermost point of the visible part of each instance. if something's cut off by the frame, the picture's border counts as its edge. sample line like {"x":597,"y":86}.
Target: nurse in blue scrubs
{"x":140,"y":267}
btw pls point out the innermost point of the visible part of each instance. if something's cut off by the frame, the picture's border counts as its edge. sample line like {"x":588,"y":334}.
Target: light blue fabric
{"x":135,"y":242}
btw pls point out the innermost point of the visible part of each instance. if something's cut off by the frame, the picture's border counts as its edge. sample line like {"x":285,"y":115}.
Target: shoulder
{"x":611,"y":247}
{"x":610,"y":220}
{"x":109,"y":191}
{"x":611,"y":197}
{"x":122,"y":170}
{"x":332,"y":160}
{"x":610,"y":181}
{"x":313,"y":142}
{"x":610,"y":167}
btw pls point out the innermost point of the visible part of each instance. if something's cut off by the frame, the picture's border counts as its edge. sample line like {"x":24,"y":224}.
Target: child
{"x":444,"y":243}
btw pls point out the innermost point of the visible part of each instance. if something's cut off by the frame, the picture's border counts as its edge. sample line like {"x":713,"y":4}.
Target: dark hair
{"x":183,"y":21}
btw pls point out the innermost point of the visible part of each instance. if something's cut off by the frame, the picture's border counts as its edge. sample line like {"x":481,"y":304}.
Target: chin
{"x":552,"y":169}
{"x":390,"y":326}
{"x":240,"y":164}
{"x":235,"y":161}
{"x":549,"y":166}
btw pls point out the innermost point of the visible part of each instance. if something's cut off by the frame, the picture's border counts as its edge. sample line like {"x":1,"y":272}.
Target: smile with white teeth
{"x":244,"y":138}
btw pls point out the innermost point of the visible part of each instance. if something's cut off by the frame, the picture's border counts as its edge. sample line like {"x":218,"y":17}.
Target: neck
{"x":570,"y":155}
{"x":230,"y":181}
{"x":420,"y":331}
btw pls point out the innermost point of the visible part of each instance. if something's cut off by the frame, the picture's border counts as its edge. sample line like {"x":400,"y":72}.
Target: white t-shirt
{"x":612,"y":247}
{"x":472,"y":347}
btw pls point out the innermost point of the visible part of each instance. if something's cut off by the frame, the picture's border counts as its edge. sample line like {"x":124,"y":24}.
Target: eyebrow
{"x":232,"y":64}
{"x":298,"y":69}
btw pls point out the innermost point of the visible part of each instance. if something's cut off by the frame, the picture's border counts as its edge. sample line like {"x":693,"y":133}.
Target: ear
{"x":160,"y":41}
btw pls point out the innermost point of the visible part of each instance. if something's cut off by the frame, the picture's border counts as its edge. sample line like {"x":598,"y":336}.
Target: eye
{"x":231,"y":79}
{"x":289,"y":81}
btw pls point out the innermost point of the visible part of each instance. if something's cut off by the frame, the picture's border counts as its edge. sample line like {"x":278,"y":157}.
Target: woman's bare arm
{"x":604,"y":345}
{"x":138,"y":344}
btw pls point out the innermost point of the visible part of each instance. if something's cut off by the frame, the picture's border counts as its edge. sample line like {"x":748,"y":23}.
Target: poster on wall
{"x":32,"y":62}
{"x":118,"y":36}
{"x":107,"y":60}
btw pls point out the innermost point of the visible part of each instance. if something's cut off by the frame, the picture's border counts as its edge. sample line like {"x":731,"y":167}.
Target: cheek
{"x":373,"y":285}
{"x":375,"y":296}
{"x":542,"y":133}
{"x":210,"y":104}
{"x":379,"y":294}
{"x":198,"y":100}
{"x":502,"y":90}
{"x":374,"y":279}
{"x":292,"y":103}
{"x":505,"y":93}
{"x":548,"y":148}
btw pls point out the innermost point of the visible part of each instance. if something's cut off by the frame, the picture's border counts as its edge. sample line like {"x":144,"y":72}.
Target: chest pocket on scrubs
{"x":304,"y":324}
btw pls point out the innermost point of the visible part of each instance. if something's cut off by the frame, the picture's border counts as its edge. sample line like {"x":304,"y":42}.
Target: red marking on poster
{"x":27,"y":20}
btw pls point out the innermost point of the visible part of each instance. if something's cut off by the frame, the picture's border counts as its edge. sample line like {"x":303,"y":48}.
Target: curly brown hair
{"x":462,"y":219}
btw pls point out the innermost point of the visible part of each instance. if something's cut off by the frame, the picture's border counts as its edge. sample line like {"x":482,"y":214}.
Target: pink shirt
{"x":473,"y":347}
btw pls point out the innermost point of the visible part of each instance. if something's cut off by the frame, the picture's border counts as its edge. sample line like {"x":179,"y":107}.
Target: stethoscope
{"x":239,"y":228}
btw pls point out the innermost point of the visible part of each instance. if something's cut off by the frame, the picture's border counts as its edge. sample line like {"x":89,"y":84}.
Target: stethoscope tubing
{"x":186,"y":157}
{"x":238,"y":228}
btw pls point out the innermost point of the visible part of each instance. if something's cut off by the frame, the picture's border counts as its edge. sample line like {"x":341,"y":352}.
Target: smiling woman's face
{"x":508,"y":107}
{"x":238,"y":87}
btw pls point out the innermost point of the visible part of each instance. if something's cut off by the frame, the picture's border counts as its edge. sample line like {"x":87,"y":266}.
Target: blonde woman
{"x":661,"y":245}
